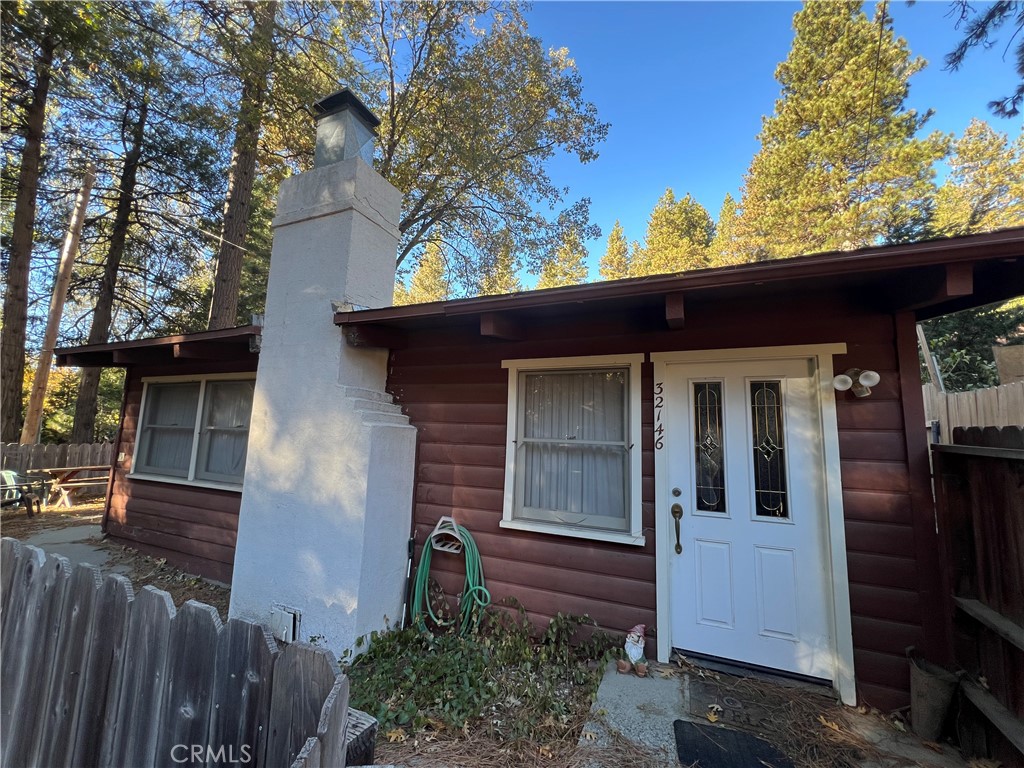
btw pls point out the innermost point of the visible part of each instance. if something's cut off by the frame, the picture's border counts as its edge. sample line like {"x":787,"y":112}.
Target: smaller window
{"x":195,"y":430}
{"x":573,"y":453}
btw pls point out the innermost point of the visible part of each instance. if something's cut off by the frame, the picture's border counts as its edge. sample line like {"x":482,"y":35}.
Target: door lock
{"x":677,"y":515}
{"x":677,"y":492}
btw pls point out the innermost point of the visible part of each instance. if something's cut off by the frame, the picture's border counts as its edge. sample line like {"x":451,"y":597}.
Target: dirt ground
{"x":140,"y":569}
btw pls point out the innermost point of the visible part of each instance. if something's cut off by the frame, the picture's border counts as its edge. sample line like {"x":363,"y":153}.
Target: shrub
{"x":500,"y":678}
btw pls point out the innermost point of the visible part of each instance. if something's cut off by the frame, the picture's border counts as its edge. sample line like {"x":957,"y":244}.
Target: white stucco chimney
{"x":327,"y":496}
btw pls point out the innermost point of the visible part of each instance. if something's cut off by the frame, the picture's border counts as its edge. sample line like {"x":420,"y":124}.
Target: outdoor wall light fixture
{"x":857,"y":381}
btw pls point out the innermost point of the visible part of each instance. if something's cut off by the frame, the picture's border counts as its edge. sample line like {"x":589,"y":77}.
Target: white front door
{"x":744,"y":474}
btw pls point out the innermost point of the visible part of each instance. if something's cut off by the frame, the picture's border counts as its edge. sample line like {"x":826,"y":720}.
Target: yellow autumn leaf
{"x":396,"y":734}
{"x":546,"y":752}
{"x":712,"y":717}
{"x":828,"y":723}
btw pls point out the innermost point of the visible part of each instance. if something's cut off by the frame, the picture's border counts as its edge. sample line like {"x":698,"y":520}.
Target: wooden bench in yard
{"x":67,"y":481}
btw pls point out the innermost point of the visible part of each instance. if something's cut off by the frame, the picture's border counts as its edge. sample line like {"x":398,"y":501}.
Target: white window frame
{"x":634,"y":534}
{"x":191,"y":479}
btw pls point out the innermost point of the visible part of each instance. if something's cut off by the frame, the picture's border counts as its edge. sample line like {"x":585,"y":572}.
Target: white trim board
{"x":843,"y":677}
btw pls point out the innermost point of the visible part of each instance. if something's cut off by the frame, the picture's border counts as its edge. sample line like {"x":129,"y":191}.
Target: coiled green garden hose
{"x":475,"y":596}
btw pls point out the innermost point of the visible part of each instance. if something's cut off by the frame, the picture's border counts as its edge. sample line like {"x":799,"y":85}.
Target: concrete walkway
{"x":643,"y":710}
{"x":77,"y":544}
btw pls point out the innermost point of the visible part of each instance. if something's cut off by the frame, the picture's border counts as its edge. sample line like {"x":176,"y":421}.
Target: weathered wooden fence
{"x":979,"y":489}
{"x":22,"y":458}
{"x":95,"y":675}
{"x":1001,"y":406}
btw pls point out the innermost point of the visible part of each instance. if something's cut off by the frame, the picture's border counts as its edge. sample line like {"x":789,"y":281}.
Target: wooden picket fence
{"x":95,"y":675}
{"x":1001,"y":406}
{"x":980,"y":517}
{"x":22,"y":458}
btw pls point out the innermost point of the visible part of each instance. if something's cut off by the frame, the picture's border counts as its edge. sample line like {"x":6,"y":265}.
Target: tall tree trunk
{"x":15,"y":320}
{"x":99,"y":332}
{"x":238,"y":205}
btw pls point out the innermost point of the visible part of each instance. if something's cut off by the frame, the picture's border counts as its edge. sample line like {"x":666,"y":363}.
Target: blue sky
{"x":685,"y":85}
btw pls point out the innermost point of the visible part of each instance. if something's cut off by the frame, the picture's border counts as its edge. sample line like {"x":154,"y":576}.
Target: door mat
{"x":709,"y":746}
{"x":750,"y":710}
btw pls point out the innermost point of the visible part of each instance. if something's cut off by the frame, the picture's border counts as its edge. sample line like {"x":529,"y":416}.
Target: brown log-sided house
{"x":705,"y":453}
{"x":181,"y":443}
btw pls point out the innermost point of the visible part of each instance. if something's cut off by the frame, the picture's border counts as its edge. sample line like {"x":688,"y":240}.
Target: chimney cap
{"x":344,"y":99}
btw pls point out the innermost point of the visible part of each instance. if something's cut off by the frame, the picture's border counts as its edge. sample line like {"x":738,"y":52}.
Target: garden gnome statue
{"x":635,"y":652}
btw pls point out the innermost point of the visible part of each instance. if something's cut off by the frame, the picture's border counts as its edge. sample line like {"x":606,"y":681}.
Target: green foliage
{"x":723,"y":248}
{"x":61,"y":396}
{"x":430,"y":280}
{"x":615,"y":262}
{"x":839,"y":166}
{"x":472,"y":110}
{"x":679,"y":233}
{"x":567,"y":265}
{"x":985,"y":187}
{"x":962,"y":343}
{"x":502,"y":678}
{"x":498,"y":271}
{"x":980,"y":28}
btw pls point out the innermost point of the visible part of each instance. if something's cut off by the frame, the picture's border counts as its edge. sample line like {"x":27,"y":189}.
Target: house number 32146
{"x":659,"y":425}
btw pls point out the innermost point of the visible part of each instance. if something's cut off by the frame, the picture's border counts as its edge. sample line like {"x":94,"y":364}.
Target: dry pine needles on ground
{"x":473,"y":750}
{"x":810,"y":728}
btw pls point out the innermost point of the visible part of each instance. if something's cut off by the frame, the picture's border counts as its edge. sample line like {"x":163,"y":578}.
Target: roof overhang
{"x":228,"y":344}
{"x":928,"y":278}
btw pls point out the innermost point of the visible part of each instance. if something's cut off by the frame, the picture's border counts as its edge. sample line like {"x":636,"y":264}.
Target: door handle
{"x":677,"y":515}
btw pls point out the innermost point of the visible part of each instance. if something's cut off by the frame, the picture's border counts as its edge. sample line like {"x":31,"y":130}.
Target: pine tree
{"x":499,"y":276}
{"x":678,"y":235}
{"x":615,"y":262}
{"x":401,"y":296}
{"x":568,"y":264}
{"x":985,"y":187}
{"x":839,"y":164}
{"x":430,"y":280}
{"x":723,"y":248}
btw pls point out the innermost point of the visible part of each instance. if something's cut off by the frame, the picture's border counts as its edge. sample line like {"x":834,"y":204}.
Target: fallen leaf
{"x":712,"y":717}
{"x":546,"y":752}
{"x":666,"y":672}
{"x":589,"y":736}
{"x":899,"y":726}
{"x":828,"y":723}
{"x":396,"y":734}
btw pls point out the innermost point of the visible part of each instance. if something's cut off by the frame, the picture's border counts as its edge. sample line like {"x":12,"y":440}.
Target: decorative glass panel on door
{"x":709,"y":444}
{"x":769,"y":449}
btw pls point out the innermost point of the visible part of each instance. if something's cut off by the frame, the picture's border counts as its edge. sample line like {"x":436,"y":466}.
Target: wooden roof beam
{"x":208,"y":351}
{"x":141,"y":356}
{"x":949,"y":281}
{"x":675,"y":314}
{"x":498,"y":325}
{"x":377,"y":336}
{"x":85,"y":361}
